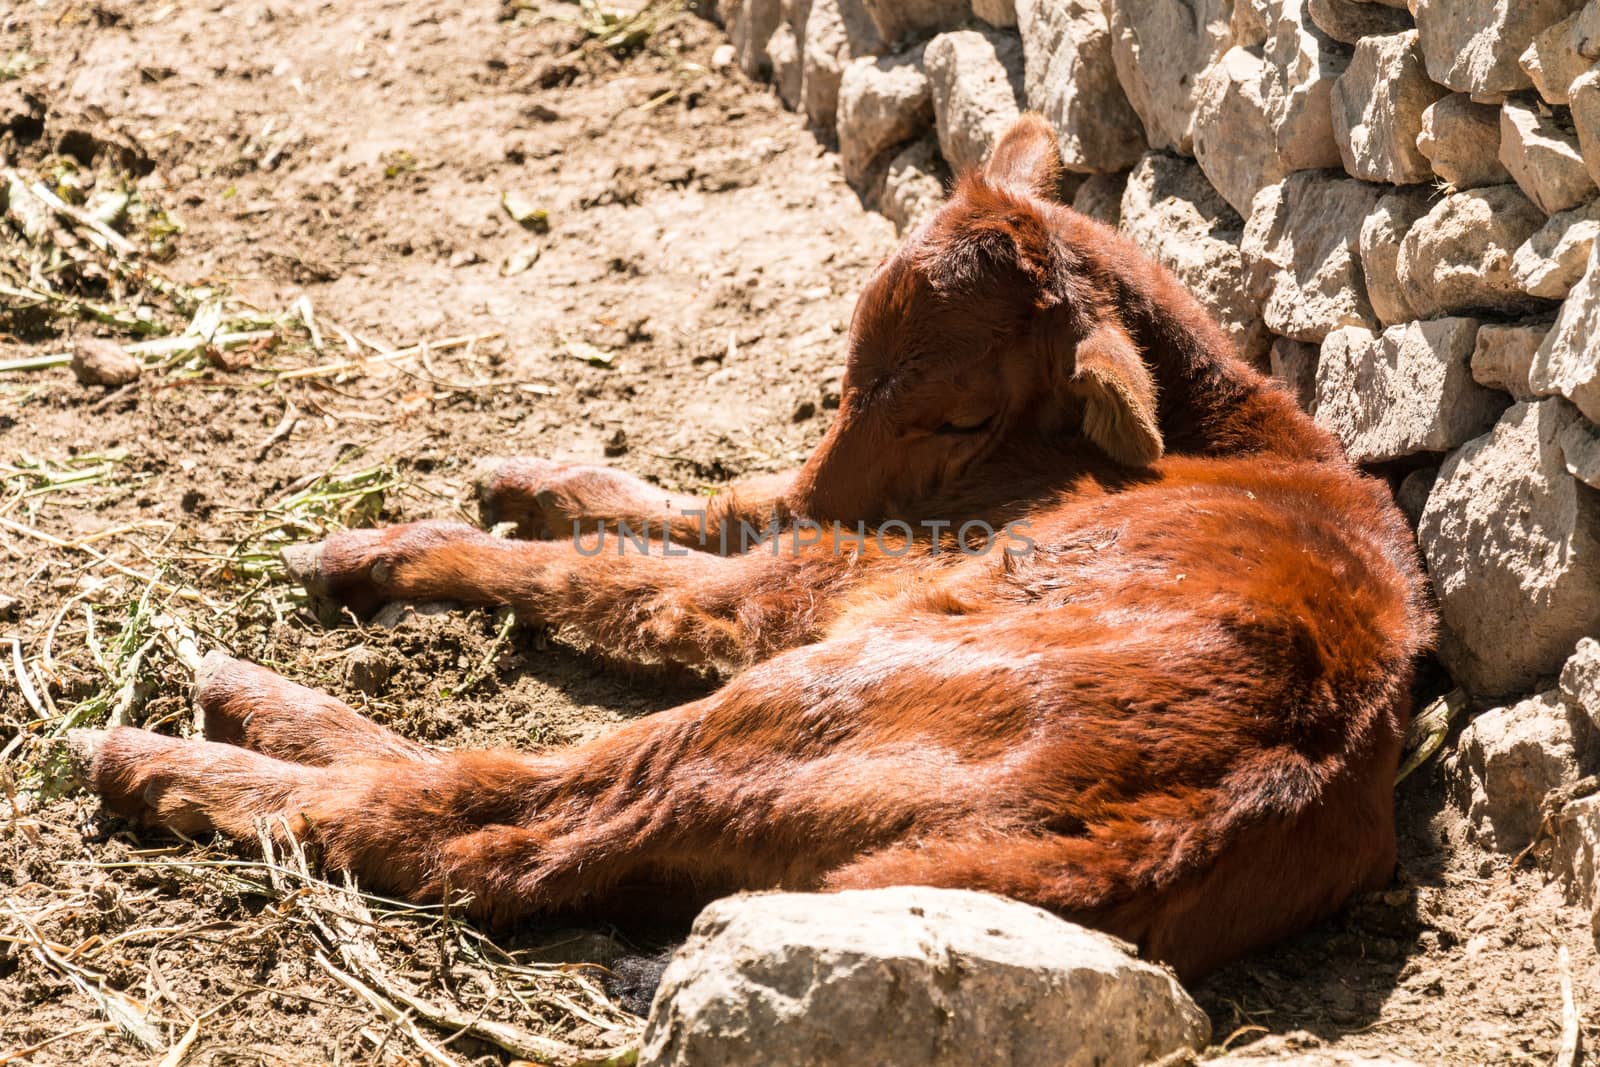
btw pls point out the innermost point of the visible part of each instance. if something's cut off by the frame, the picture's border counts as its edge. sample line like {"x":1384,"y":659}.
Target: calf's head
{"x":985,"y":327}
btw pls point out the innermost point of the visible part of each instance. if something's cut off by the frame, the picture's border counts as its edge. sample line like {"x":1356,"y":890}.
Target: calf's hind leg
{"x":734,"y":791}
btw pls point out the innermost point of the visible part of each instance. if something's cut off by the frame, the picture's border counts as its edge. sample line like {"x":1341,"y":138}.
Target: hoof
{"x":485,"y":475}
{"x":207,"y":695}
{"x":304,"y":564}
{"x":509,"y":491}
{"x":83,"y":748}
{"x":208,"y":669}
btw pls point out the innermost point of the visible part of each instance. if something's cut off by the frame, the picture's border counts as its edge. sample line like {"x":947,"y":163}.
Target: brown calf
{"x":1167,"y":701}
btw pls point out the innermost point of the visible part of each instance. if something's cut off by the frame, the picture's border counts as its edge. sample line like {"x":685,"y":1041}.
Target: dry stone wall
{"x":1391,"y":205}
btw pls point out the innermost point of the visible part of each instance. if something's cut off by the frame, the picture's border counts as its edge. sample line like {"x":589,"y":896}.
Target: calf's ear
{"x":1118,"y":395}
{"x":1026,"y":159}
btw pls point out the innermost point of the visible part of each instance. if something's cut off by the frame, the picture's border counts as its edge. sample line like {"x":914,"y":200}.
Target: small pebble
{"x":97,"y":361}
{"x":366,"y":670}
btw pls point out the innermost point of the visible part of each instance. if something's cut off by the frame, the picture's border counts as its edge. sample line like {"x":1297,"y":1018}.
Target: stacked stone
{"x":1392,"y":205}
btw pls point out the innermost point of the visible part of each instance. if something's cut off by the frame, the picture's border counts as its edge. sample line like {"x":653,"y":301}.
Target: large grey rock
{"x":1458,"y":256}
{"x":1160,"y":48}
{"x":1504,"y":356}
{"x":1580,"y":680}
{"x":1381,"y":234}
{"x":1576,"y":857}
{"x":1302,"y":64}
{"x":1100,"y":197}
{"x":899,"y":21}
{"x":1071,"y":80}
{"x":836,"y":32}
{"x":913,"y":975}
{"x":1233,"y":130}
{"x":1302,"y":247}
{"x":1351,"y":21}
{"x":1001,"y":14}
{"x":1569,"y":360}
{"x":1473,"y":46}
{"x":914,"y":186}
{"x":1411,"y":495}
{"x":1294,"y":363}
{"x":883,"y":102}
{"x":1549,"y":263}
{"x":1461,"y":139}
{"x":1171,"y":211}
{"x":1404,"y":391}
{"x":976,"y":79}
{"x":1377,"y":110}
{"x":1512,"y":544}
{"x":750,"y":25}
{"x":783,"y":49}
{"x":1507,"y":759}
{"x":1585,"y":96}
{"x":1541,"y":152}
{"x":1250,"y":23}
{"x":1559,"y":54}
{"x":1580,"y":449}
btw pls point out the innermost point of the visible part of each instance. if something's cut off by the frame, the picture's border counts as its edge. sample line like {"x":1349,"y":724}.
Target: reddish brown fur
{"x":1177,"y":719}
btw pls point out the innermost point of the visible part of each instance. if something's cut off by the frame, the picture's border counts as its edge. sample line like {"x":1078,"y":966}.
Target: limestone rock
{"x":1349,"y":21}
{"x":1171,"y":211}
{"x":1071,"y":80}
{"x":1458,"y":256}
{"x":1377,"y":110}
{"x":97,"y":361}
{"x":1294,"y":363}
{"x":1562,"y":52}
{"x":1404,"y":391}
{"x":899,"y":21}
{"x":1381,"y":234}
{"x":1580,"y":449}
{"x":909,"y":975}
{"x":1302,"y":244}
{"x":1461,"y":139}
{"x":1549,"y":263}
{"x":1302,"y":64}
{"x":976,"y":79}
{"x":882,"y":103}
{"x":1512,"y":544}
{"x":1233,"y":130}
{"x":750,"y":25}
{"x":1569,"y":360}
{"x":914,"y":186}
{"x":836,"y":32}
{"x":1411,"y":496}
{"x":1541,"y":152}
{"x":1507,"y":759}
{"x":1473,"y":46}
{"x":1100,"y":197}
{"x":1160,"y":48}
{"x":1250,"y":23}
{"x":1580,"y":680}
{"x":1576,"y":857}
{"x":1001,"y":14}
{"x":1504,"y":356}
{"x":1585,"y":95}
{"x":783,"y":50}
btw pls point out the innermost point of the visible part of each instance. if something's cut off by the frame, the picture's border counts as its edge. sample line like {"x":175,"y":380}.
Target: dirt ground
{"x":678,"y":310}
